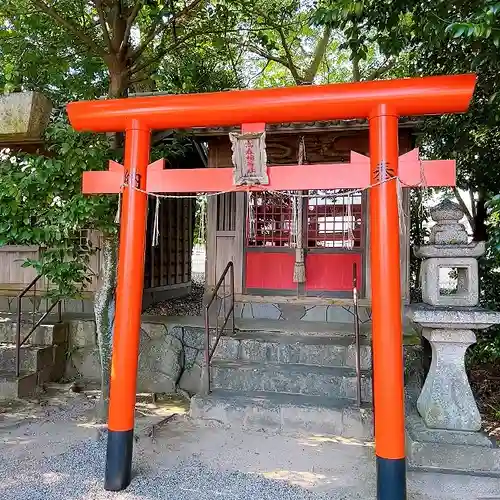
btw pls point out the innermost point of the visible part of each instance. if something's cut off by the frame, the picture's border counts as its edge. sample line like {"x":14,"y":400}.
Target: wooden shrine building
{"x":255,"y":230}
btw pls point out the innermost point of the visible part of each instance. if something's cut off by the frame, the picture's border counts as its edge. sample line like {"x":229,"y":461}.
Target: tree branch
{"x":291,"y":66}
{"x":153,"y":31}
{"x":319,"y":54}
{"x":356,"y":72}
{"x":130,"y":22}
{"x":70,"y":26}
{"x":464,"y":207}
{"x":159,"y":55}
{"x":269,"y":57}
{"x":104,"y":27}
{"x":389,"y":63}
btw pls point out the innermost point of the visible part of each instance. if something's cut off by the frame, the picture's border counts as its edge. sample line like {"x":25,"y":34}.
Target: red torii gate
{"x":382,"y":102}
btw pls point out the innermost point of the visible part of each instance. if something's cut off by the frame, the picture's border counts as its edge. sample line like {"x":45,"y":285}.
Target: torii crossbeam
{"x":355,"y":174}
{"x":382,"y":102}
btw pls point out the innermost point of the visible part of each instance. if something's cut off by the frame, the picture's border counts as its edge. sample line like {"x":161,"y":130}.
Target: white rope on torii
{"x":296,"y":197}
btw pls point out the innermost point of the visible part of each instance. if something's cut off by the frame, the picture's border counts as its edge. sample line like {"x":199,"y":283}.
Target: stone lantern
{"x":448,"y":318}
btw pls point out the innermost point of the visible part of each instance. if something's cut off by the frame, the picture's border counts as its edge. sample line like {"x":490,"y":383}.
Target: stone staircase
{"x":43,"y":357}
{"x":287,"y":376}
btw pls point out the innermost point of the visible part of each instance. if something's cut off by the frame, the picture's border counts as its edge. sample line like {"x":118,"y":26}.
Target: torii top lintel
{"x":403,"y":97}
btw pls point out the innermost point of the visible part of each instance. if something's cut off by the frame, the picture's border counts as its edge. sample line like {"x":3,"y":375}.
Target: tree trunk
{"x":104,"y":308}
{"x":356,"y":72}
{"x":480,"y":232}
{"x":104,"y":311}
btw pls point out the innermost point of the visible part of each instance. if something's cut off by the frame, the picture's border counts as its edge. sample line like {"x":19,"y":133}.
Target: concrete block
{"x":238,"y":309}
{"x":315,"y":313}
{"x":73,"y":306}
{"x":44,"y":376}
{"x":5,"y":304}
{"x":313,"y":354}
{"x":85,"y":363}
{"x":258,"y":351}
{"x":228,"y":348}
{"x":46,"y":334}
{"x":475,"y":249}
{"x":357,"y":423}
{"x":446,"y":400}
{"x":467,"y":293}
{"x":154,"y":330}
{"x":466,"y":318}
{"x":193,"y":337}
{"x":413,"y":371}
{"x":60,"y":353}
{"x":365,"y":354}
{"x":305,"y":418}
{"x":291,"y":379}
{"x":60,"y":333}
{"x":284,"y":349}
{"x":14,"y":388}
{"x":246,"y":311}
{"x":419,"y":432}
{"x":260,"y":417}
{"x":290,"y":414}
{"x":88,"y":306}
{"x":447,"y":230}
{"x":339,"y":314}
{"x":190,"y":380}
{"x":160,"y":364}
{"x":448,"y":234}
{"x":291,"y":312}
{"x":82,"y":334}
{"x":265,"y":311}
{"x":456,"y":458}
{"x":32,"y":358}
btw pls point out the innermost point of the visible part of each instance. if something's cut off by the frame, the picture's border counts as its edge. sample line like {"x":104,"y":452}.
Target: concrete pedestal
{"x":446,"y":400}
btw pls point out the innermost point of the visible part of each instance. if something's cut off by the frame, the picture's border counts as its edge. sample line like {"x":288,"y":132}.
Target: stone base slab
{"x":282,"y":413}
{"x":450,"y":451}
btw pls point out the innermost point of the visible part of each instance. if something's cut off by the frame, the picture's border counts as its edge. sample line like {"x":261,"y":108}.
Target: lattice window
{"x":333,"y":221}
{"x":269,"y":221}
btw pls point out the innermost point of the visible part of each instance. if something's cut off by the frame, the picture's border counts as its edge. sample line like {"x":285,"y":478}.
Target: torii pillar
{"x":382,"y":102}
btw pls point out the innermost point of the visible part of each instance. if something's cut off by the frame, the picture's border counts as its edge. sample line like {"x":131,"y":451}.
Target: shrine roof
{"x":307,"y":127}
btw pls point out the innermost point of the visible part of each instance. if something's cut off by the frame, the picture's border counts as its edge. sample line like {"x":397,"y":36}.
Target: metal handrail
{"x":356,"y":332}
{"x":210,"y":350}
{"x":20,"y":342}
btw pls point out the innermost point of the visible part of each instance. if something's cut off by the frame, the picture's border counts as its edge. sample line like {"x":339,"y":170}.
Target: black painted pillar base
{"x":391,"y":478}
{"x":119,"y":460}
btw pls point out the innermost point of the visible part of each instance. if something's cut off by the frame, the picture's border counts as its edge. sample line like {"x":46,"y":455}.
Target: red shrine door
{"x":332,"y":234}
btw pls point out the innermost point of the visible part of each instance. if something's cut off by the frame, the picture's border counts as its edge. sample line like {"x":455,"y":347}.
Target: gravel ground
{"x":183,"y":306}
{"x":58,"y":457}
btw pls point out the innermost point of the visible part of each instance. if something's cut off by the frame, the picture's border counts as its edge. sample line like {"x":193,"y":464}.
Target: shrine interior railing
{"x":221,"y":303}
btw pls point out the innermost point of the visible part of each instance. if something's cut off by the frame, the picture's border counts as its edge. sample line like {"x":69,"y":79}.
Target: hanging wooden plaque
{"x":249,"y":158}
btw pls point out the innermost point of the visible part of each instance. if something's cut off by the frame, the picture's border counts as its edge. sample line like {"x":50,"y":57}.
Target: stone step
{"x":13,"y":388}
{"x":286,"y":413}
{"x":45,"y":334}
{"x":332,"y":382}
{"x":279,"y":348}
{"x":312,"y":309}
{"x":300,"y":328}
{"x":32,"y":358}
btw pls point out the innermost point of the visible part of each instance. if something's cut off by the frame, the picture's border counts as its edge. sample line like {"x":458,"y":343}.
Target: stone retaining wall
{"x":170,"y":356}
